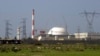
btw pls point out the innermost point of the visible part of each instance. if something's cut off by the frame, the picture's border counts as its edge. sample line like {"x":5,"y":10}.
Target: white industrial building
{"x":58,"y":33}
{"x":86,"y":35}
{"x":55,"y":33}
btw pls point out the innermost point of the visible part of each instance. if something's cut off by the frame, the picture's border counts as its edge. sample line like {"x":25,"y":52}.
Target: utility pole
{"x":7,"y":29}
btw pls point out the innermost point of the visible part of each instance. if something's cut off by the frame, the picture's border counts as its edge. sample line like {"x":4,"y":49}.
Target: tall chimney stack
{"x":33,"y":24}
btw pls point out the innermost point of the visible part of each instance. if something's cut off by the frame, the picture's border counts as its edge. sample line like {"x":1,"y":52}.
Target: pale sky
{"x":48,"y":14}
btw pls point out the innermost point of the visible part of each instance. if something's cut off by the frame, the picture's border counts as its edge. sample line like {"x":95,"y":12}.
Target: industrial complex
{"x":55,"y":33}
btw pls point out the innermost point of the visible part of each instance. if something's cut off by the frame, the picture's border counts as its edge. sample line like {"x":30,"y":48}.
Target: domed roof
{"x":58,"y":31}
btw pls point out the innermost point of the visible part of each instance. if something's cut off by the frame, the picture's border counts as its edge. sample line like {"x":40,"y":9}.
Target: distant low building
{"x":87,"y":36}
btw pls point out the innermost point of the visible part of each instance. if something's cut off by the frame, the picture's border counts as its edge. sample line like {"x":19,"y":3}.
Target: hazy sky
{"x":48,"y":13}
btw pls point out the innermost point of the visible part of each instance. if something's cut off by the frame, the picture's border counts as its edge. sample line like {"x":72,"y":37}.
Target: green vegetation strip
{"x":50,"y":50}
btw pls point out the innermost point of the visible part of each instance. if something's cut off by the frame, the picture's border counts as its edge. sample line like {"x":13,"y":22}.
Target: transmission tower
{"x":7,"y":29}
{"x":24,"y":35}
{"x":90,"y":20}
{"x":65,"y":23}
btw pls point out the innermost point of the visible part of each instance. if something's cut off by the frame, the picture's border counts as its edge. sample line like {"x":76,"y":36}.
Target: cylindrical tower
{"x":18,"y":33}
{"x":33,"y":24}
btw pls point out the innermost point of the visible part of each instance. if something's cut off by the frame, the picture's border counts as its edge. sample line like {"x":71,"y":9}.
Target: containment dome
{"x":58,"y":31}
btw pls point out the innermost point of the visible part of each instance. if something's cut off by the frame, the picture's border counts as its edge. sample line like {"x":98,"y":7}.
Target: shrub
{"x":15,"y":49}
{"x":4,"y":49}
{"x":38,"y":44}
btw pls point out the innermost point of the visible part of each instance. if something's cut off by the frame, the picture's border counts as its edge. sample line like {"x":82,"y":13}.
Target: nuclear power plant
{"x":61,"y":33}
{"x":55,"y":33}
